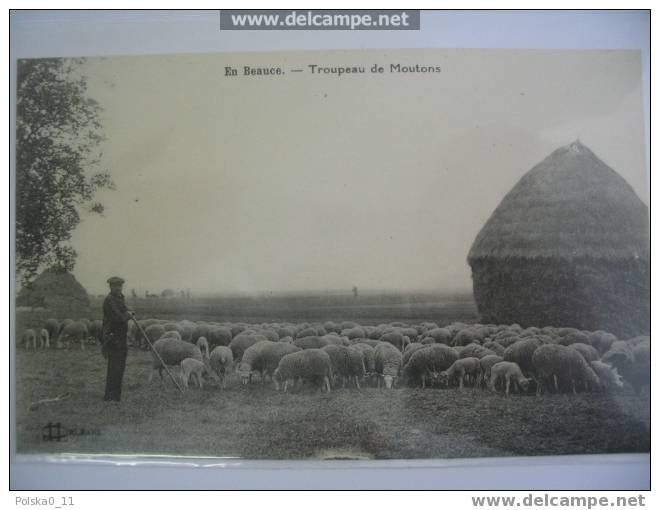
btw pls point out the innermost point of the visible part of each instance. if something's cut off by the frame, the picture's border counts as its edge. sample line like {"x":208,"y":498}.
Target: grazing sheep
{"x":588,"y":352}
{"x":369,"y":356}
{"x":252,"y":361}
{"x":308,"y":364}
{"x":356,"y":369}
{"x":521,"y":353}
{"x":602,"y":340}
{"x":29,"y":338}
{"x":308,"y":331}
{"x":574,"y":337}
{"x":310,"y":342}
{"x":75,"y":331}
{"x":564,"y":366}
{"x":53,"y":328}
{"x":428,"y":362}
{"x":221,"y":360}
{"x":153,"y":333}
{"x":609,"y":378}
{"x":487,"y":363}
{"x":63,"y":325}
{"x":387,"y":363}
{"x":263,"y":357}
{"x":345,"y":364}
{"x":172,"y":334}
{"x":474,"y":351}
{"x":217,"y":335}
{"x":331,"y":327}
{"x":95,"y":329}
{"x":203,"y":345}
{"x":44,"y":339}
{"x":619,"y":355}
{"x":354,"y":332}
{"x":496,"y":347}
{"x":396,"y":339}
{"x":191,"y":367}
{"x":411,"y":333}
{"x":409,"y":350}
{"x":333,"y":339}
{"x":466,"y":336}
{"x":509,"y":372}
{"x":466,"y":370}
{"x":241,"y":342}
{"x":172,"y":351}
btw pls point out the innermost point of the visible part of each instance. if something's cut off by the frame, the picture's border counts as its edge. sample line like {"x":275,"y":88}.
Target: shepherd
{"x":114,"y":344}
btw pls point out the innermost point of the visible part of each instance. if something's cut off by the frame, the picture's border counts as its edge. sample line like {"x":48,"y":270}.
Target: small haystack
{"x":568,"y":246}
{"x":54,"y":289}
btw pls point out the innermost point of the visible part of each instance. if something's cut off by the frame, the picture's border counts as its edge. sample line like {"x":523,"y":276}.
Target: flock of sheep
{"x":507,"y":358}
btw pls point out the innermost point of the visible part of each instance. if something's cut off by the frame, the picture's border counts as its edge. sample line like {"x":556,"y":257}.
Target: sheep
{"x":509,"y":372}
{"x":63,"y":325}
{"x":95,"y":330}
{"x":369,"y":357}
{"x":241,"y":342}
{"x":487,"y":363}
{"x":564,"y":366}
{"x":333,"y":339}
{"x":409,"y":350}
{"x":44,"y":339}
{"x":464,"y":370}
{"x":331,"y":327}
{"x":203,"y":345}
{"x":619,"y":355}
{"x":217,"y":335}
{"x":76,"y":331}
{"x":310,"y":342}
{"x":521,"y":353}
{"x":263,"y":357}
{"x":172,"y":351}
{"x":344,"y":363}
{"x":172,"y":334}
{"x":609,"y":377}
{"x":497,"y":348}
{"x":354,"y":332}
{"x":396,"y":339}
{"x":28,"y":338}
{"x":574,"y":337}
{"x":474,"y":351}
{"x":308,"y":331}
{"x":588,"y":352}
{"x":602,"y":340}
{"x":466,"y":336}
{"x":153,"y":332}
{"x":191,"y":367}
{"x":356,"y":367}
{"x":221,"y":360}
{"x":387,"y":363}
{"x":310,"y":364}
{"x":53,"y":328}
{"x":428,"y":362}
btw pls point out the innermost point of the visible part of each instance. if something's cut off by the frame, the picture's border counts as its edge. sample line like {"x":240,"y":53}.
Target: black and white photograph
{"x":326,"y":255}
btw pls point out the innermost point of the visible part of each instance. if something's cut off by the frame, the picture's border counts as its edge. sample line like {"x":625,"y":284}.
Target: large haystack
{"x":567,"y":246}
{"x":54,"y":289}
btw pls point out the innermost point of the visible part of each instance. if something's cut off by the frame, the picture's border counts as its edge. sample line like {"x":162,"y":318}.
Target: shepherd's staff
{"x":156,"y":353}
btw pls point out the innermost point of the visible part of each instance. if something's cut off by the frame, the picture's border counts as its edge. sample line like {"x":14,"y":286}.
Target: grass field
{"x":258,"y":422}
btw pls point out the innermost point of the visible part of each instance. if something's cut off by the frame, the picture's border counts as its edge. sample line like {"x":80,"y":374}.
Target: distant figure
{"x":113,"y":340}
{"x":134,"y":294}
{"x":355,"y":292}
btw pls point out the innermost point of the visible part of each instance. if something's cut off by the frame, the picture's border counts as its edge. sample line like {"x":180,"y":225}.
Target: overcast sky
{"x":309,"y":182}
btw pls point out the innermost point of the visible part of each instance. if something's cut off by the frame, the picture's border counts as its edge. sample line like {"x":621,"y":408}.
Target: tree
{"x":58,"y":136}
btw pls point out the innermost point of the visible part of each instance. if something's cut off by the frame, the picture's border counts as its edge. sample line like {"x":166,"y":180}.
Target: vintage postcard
{"x":378,"y":254}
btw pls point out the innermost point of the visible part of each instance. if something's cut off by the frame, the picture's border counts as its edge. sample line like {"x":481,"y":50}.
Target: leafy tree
{"x":58,"y":136}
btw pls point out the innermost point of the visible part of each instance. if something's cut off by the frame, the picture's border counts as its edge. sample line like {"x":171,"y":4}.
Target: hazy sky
{"x":312,"y":182}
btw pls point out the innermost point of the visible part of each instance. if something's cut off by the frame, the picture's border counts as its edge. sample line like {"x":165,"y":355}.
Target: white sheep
{"x":191,"y":367}
{"x":29,"y":338}
{"x":221,"y":360}
{"x":507,"y":371}
{"x":44,"y":339}
{"x":203,"y":345}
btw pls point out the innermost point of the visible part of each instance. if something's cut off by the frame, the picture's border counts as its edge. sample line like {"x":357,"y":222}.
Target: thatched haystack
{"x":54,"y":289}
{"x":568,"y":246}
